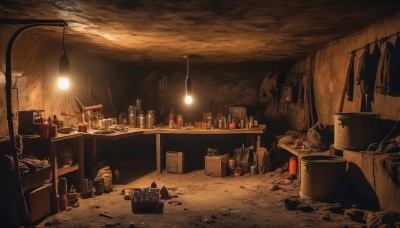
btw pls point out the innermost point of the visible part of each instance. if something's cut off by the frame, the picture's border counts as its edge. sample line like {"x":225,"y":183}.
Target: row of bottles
{"x":49,"y":127}
{"x":136,"y":117}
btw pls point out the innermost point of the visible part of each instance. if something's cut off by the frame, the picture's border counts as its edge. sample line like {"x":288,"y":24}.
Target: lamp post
{"x":29,"y":23}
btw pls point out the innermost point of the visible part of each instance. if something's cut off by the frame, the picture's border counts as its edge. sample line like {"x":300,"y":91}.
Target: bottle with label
{"x":55,"y":121}
{"x":45,"y":129}
{"x":179,"y":121}
{"x":49,"y":121}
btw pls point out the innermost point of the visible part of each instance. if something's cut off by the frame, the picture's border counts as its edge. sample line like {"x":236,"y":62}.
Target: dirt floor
{"x":203,"y":201}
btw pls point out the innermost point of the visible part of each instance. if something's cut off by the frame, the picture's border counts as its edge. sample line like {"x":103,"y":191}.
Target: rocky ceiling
{"x":218,"y":31}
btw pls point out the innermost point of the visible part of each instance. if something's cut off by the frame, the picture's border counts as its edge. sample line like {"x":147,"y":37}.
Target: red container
{"x":45,"y":129}
{"x":293,"y":166}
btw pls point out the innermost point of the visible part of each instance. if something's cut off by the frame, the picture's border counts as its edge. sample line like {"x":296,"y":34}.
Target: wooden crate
{"x":175,"y":162}
{"x":216,"y":166}
{"x":38,"y":202}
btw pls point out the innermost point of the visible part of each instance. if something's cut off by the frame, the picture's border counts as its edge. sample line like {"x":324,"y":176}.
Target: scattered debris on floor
{"x":104,"y":214}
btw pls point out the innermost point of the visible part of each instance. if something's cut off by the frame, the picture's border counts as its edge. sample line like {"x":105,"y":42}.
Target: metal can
{"x":99,"y":185}
{"x":141,"y":121}
{"x":132,"y":116}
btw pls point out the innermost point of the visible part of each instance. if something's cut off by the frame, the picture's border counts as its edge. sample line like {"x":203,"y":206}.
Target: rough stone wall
{"x":330,"y":72}
{"x":35,"y":69}
{"x":213,"y":87}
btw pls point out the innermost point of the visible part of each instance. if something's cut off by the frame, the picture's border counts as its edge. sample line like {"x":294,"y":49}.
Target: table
{"x":253,"y":137}
{"x":52,"y":146}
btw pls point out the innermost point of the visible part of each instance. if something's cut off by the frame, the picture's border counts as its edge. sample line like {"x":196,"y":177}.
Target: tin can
{"x":150,"y":119}
{"x":141,"y":123}
{"x":63,"y":202}
{"x":99,"y":185}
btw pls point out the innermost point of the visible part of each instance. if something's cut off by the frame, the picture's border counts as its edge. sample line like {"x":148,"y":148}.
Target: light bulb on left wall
{"x":63,"y":83}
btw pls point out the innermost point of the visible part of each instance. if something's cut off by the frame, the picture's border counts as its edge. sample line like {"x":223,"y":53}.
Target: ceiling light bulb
{"x":188,"y":99}
{"x":63,"y":83}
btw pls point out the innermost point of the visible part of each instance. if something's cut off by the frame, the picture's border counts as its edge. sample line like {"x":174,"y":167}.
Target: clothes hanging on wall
{"x":383,"y":71}
{"x":387,"y":76}
{"x":350,"y":78}
{"x":366,"y":74}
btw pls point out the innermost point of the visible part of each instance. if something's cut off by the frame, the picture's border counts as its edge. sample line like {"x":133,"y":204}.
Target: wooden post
{"x":159,"y":152}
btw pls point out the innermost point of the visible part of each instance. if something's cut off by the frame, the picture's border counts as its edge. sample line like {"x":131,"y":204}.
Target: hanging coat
{"x":393,"y":82}
{"x":366,"y":74}
{"x":383,"y":72}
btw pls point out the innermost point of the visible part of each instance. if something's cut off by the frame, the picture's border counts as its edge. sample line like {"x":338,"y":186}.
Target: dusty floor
{"x":201,"y":201}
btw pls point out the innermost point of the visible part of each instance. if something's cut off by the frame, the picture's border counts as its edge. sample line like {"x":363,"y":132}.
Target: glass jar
{"x":150,"y":119}
{"x":132,"y":116}
{"x":122,"y":119}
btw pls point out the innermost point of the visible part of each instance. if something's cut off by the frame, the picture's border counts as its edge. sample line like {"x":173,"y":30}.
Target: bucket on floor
{"x":355,"y":130}
{"x":322,"y":177}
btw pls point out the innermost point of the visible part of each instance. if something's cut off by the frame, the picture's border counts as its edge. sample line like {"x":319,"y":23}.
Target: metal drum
{"x":355,"y":130}
{"x":322,"y":177}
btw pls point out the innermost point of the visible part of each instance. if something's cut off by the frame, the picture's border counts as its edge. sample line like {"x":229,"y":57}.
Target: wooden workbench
{"x":253,"y":137}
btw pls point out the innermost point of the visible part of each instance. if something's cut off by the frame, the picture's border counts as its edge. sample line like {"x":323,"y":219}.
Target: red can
{"x":293,"y":166}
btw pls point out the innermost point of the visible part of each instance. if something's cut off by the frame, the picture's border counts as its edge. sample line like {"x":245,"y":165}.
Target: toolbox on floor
{"x":216,"y":166}
{"x":146,"y":200}
{"x":175,"y":162}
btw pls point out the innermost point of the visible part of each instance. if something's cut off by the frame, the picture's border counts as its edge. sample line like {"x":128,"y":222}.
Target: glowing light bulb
{"x":63,"y":83}
{"x":188,"y":99}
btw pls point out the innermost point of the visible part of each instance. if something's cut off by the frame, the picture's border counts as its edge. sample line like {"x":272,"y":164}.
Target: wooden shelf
{"x":65,"y":170}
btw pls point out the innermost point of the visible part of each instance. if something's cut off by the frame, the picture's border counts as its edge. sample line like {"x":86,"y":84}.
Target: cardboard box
{"x":216,"y":166}
{"x":175,"y":162}
{"x":38,"y":202}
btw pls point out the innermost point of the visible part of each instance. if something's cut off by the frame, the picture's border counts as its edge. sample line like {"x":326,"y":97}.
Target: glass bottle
{"x":171,"y":118}
{"x":179,"y":121}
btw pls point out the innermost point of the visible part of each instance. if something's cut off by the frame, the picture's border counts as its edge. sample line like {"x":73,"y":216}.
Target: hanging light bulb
{"x":188,"y":84}
{"x":63,"y":81}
